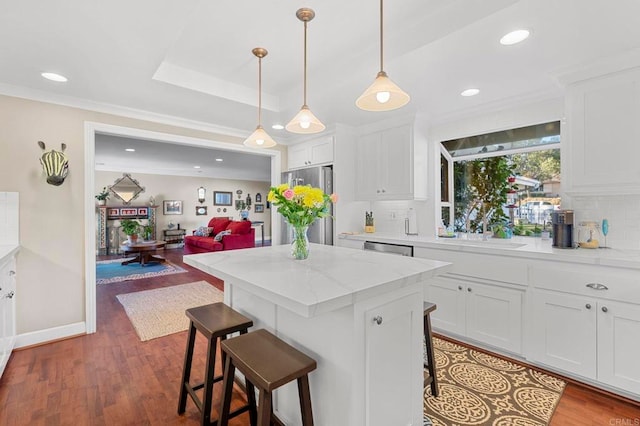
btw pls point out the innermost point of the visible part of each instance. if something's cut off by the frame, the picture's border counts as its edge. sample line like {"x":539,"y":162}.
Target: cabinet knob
{"x":11,"y":273}
{"x":383,"y":190}
{"x":459,"y":287}
{"x":377,"y":319}
{"x":588,"y":306}
{"x":377,"y":191}
{"x":10,"y":295}
{"x":469,"y":289}
{"x":604,"y":309}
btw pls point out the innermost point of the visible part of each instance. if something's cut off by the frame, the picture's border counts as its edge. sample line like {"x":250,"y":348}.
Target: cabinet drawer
{"x":494,"y":268}
{"x":621,"y":284}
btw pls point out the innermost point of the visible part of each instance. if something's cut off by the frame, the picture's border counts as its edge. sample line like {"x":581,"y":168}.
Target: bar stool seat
{"x":430,"y":363}
{"x":215,"y":321}
{"x":267,"y":362}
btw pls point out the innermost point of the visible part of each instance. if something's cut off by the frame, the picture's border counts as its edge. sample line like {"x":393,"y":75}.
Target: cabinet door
{"x":321,"y":151}
{"x":7,"y":312}
{"x":618,"y":345}
{"x":449,"y":296}
{"x":393,"y":370}
{"x":564,"y":332}
{"x":298,"y":156}
{"x":494,"y":316}
{"x":367,"y":167}
{"x":396,"y":165}
{"x":605,"y":109}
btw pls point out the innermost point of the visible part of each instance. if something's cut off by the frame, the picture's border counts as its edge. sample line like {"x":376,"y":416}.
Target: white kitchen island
{"x":358,"y":313}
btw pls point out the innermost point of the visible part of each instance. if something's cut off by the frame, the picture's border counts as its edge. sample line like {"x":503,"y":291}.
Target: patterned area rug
{"x":479,"y":389}
{"x":112,"y":271}
{"x":159,"y":312}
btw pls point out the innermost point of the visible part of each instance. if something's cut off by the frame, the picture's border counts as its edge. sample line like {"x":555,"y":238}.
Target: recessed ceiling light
{"x":277,"y":127}
{"x":196,"y":167}
{"x":514,"y":37}
{"x":470,"y":92}
{"x":130,"y":150}
{"x":219,"y":159}
{"x":54,"y":77}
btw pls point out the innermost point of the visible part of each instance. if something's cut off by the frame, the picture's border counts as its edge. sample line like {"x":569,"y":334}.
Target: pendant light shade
{"x":259,"y":138}
{"x":383,"y":94}
{"x":305,"y":121}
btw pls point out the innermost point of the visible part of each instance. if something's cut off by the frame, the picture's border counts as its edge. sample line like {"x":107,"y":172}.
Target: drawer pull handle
{"x":10,"y":295}
{"x":604,"y":309}
{"x":597,"y":286}
{"x":377,"y":319}
{"x":588,"y":306}
{"x":12,"y":273}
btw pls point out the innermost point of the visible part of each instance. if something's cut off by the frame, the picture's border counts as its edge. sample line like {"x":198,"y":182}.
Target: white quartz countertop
{"x":524,"y":247}
{"x":331,"y":278}
{"x":8,"y":250}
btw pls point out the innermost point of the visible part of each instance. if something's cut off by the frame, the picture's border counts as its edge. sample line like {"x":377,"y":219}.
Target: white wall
{"x":185,"y":189}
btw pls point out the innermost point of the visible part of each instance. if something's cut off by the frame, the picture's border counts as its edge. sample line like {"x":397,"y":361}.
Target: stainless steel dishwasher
{"x":397,"y":249}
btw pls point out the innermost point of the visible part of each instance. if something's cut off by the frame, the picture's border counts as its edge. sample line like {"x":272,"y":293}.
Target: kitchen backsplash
{"x":389,"y":216}
{"x":622,"y":212}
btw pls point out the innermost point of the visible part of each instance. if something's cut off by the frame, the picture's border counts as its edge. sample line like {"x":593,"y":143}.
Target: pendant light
{"x":383,"y":94}
{"x":259,"y":138}
{"x":305,"y":121}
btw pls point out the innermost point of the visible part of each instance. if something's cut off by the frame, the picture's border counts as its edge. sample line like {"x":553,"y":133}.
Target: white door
{"x":390,"y":369}
{"x":494,"y":316}
{"x":619,"y":345}
{"x":564,"y":332}
{"x":449,"y":295}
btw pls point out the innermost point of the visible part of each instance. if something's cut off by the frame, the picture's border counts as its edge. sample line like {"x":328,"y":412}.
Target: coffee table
{"x":145,"y":251}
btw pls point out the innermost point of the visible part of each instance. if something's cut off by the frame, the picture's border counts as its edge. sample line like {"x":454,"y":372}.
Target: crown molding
{"x":607,"y":65}
{"x":69,"y":101}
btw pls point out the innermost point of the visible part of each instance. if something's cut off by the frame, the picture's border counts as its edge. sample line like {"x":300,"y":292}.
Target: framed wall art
{"x":172,"y":207}
{"x":221,"y":198}
{"x":258,"y":198}
{"x":258,"y":208}
{"x":201,"y":210}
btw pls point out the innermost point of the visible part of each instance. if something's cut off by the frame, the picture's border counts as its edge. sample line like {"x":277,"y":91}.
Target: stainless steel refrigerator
{"x":321,"y":231}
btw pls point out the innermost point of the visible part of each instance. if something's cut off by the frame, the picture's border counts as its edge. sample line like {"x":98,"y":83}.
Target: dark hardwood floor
{"x":112,"y":378}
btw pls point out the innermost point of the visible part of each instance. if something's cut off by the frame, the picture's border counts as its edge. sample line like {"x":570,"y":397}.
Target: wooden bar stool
{"x":430,"y":363}
{"x":268,"y":363}
{"x":215,"y":322}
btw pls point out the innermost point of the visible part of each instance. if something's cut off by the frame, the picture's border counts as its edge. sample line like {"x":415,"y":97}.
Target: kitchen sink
{"x":492,"y":242}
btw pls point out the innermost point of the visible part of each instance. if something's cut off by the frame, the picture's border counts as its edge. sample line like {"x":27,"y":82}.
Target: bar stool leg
{"x":251,"y":400}
{"x":227,"y":388}
{"x":264,"y":408}
{"x":305,"y":400}
{"x":208,"y":382}
{"x":430,"y":355}
{"x":186,"y":371}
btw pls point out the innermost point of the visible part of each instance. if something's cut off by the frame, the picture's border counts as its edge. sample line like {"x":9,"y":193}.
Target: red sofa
{"x":242,"y":236}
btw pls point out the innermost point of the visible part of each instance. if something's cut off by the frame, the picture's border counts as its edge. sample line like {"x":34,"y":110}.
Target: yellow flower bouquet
{"x":301,"y":206}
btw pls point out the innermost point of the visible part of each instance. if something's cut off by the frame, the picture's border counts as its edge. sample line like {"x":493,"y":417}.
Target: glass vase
{"x":300,"y":242}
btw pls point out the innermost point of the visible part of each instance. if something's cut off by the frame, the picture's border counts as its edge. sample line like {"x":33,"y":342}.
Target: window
{"x":480,"y":168}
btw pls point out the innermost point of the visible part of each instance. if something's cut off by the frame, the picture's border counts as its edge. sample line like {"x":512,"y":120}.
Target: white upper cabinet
{"x":603,"y":134}
{"x":386,"y":166}
{"x":314,"y":152}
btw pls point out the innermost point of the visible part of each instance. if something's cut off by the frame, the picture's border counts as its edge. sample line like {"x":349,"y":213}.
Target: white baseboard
{"x":50,"y":334}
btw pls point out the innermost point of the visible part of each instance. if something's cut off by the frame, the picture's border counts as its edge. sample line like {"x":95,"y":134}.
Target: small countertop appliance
{"x":562,"y":225}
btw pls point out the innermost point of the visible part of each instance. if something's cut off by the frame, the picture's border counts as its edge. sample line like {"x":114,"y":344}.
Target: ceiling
{"x":192,"y":59}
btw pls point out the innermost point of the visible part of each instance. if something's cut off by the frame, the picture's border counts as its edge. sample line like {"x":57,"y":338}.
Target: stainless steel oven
{"x":397,"y":249}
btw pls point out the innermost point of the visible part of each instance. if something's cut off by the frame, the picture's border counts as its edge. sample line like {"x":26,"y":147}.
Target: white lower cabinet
{"x":487,"y":313}
{"x":393,"y":367}
{"x":7,"y":310}
{"x":593,"y":338}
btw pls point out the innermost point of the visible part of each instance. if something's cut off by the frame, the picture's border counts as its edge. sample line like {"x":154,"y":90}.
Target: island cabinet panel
{"x":600,"y":112}
{"x":451,"y":313}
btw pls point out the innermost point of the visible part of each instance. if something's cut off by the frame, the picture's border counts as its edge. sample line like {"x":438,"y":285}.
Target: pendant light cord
{"x":381,"y":40}
{"x":259,"y":91}
{"x":305,"y":63}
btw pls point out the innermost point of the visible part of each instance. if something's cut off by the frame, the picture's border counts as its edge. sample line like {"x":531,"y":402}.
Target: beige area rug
{"x":480,"y":389}
{"x":159,"y":312}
